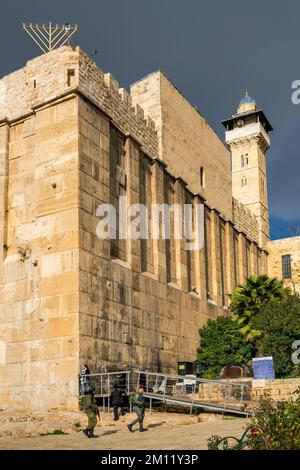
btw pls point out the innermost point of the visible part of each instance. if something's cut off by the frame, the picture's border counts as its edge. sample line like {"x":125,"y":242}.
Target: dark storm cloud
{"x":211,"y":50}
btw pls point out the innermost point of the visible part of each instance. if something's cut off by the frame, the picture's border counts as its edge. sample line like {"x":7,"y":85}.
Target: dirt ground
{"x":165,"y":431}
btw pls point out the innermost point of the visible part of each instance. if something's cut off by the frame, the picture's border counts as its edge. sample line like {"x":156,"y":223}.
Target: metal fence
{"x":103,"y":383}
{"x":216,"y":395}
{"x":212,"y":395}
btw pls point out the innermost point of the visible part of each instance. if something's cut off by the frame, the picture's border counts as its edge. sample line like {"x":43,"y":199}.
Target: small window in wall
{"x":202,"y":177}
{"x":246,"y":159}
{"x":244,"y":181}
{"x":242,"y":161}
{"x":262,"y":185}
{"x":71,"y":77}
{"x":286,"y":267}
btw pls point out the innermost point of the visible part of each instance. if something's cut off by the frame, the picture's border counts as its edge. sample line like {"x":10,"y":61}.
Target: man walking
{"x":90,"y":408}
{"x":117,"y":401}
{"x":139,"y":404}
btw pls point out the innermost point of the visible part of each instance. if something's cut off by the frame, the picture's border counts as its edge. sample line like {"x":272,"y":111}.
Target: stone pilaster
{"x":242,"y":259}
{"x":199,"y":268}
{"x":253,"y":264}
{"x":215,"y":257}
{"x":229,"y":257}
{"x":4,"y":144}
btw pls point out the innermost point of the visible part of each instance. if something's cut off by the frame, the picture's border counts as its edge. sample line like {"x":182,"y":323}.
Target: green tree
{"x":221,"y":343}
{"x":247,"y":300}
{"x":279,"y":324}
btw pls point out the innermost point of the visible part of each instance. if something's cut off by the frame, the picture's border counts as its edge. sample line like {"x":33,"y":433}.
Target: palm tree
{"x":248,"y":298}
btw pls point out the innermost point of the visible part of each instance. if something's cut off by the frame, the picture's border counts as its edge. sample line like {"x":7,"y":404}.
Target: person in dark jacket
{"x":117,"y":401}
{"x":139,"y":404}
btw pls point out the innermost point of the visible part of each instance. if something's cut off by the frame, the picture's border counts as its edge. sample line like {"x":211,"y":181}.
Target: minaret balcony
{"x":249,"y":130}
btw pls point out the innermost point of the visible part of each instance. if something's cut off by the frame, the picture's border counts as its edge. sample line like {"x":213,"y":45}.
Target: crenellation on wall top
{"x":139,"y":111}
{"x":245,"y":221}
{"x":125,"y":96}
{"x":150,"y":123}
{"x":247,"y":211}
{"x":138,"y":123}
{"x":111,"y":82}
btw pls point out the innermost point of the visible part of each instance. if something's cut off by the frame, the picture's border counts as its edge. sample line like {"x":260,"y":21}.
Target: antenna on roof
{"x":50,"y":37}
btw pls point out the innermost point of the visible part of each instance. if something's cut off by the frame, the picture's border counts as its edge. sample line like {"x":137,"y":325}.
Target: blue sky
{"x":211,"y":51}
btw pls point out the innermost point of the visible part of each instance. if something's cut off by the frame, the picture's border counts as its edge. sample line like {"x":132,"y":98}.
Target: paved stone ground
{"x":160,"y":435}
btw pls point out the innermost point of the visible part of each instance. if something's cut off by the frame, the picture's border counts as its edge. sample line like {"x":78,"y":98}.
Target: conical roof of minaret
{"x":246,"y":104}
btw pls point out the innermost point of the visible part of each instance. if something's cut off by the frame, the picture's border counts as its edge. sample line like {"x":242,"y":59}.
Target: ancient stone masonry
{"x":42,"y":80}
{"x":279,"y":389}
{"x":70,"y":140}
{"x":187,"y":142}
{"x":289,"y":247}
{"x":245,"y":220}
{"x":104,"y":91}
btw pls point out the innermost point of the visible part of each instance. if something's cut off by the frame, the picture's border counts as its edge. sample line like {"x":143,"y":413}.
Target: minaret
{"x":247,"y":134}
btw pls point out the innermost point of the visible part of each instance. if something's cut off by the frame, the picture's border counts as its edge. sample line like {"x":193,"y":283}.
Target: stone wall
{"x":69,"y":141}
{"x":43,"y":79}
{"x":278,"y":389}
{"x":39,"y":269}
{"x":104,"y":91}
{"x":244,"y":220}
{"x":187,"y":142}
{"x":143,"y":301}
{"x":278,"y":248}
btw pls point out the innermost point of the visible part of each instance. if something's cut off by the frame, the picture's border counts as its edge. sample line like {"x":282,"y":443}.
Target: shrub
{"x":221,"y":343}
{"x":275,"y":426}
{"x":279,"y":323}
{"x":279,"y":424}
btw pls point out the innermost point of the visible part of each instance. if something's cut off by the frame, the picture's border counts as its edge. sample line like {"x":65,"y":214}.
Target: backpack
{"x":131,"y":398}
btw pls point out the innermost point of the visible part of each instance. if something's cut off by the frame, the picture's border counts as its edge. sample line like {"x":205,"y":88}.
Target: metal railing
{"x":103,"y":383}
{"x":217,"y":395}
{"x":212,"y":395}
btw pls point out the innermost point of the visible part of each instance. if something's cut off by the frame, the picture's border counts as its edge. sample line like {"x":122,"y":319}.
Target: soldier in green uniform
{"x":139,"y":404}
{"x":90,"y":408}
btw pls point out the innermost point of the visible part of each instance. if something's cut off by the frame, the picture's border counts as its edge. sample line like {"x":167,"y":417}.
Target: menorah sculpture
{"x":50,"y":37}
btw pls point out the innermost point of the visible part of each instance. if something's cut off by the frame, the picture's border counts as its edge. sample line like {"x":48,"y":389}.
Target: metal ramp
{"x":211,"y":395}
{"x":214,"y":407}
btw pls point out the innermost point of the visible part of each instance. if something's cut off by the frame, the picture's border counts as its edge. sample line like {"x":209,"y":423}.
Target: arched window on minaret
{"x":202,"y":177}
{"x":244,"y":181}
